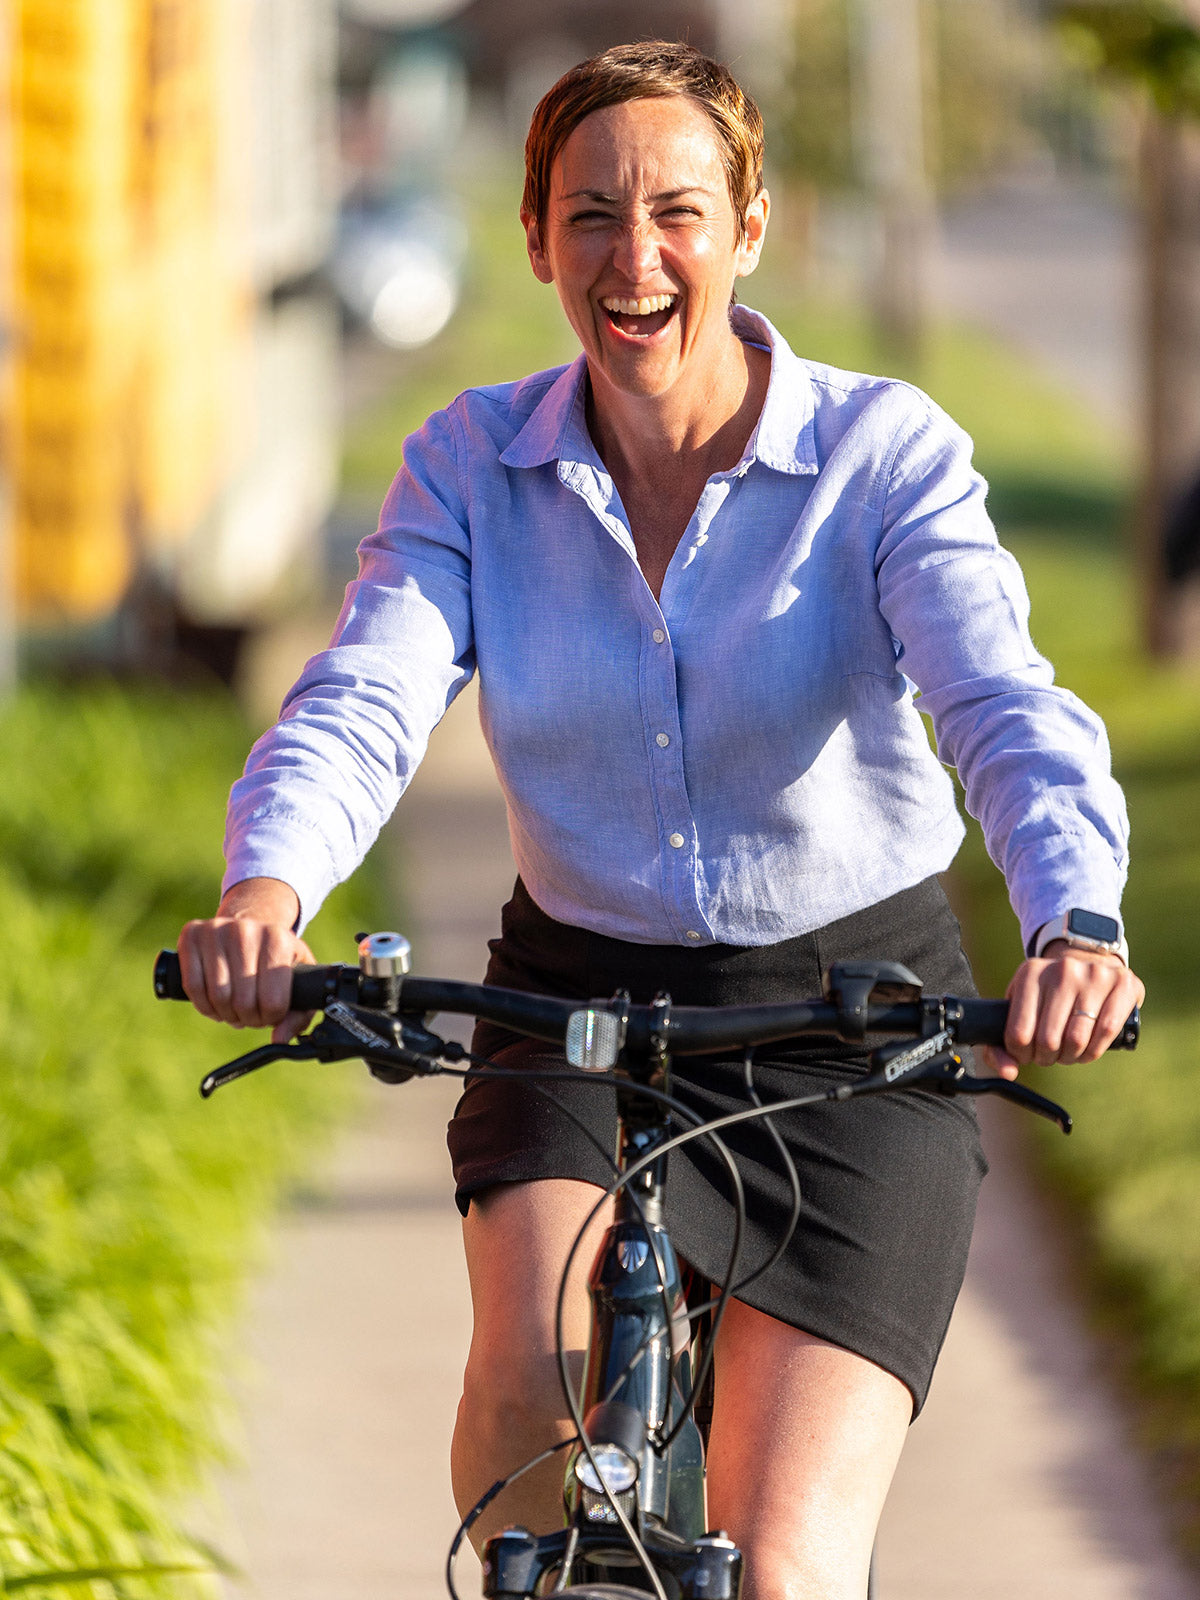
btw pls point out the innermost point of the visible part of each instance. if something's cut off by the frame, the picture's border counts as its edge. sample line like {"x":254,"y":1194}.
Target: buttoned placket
{"x":658,"y":691}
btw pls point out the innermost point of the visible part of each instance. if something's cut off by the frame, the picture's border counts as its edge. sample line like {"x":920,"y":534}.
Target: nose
{"x":636,"y":255}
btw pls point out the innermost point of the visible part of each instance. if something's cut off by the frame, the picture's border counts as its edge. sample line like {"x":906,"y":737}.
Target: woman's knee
{"x":805,"y":1437}
{"x":518,"y":1239}
{"x":515,"y":1395}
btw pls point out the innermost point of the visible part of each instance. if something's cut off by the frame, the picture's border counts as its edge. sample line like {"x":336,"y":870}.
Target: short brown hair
{"x":653,"y":70}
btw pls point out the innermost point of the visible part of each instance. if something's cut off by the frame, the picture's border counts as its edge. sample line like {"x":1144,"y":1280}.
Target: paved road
{"x":1050,"y":268}
{"x":1053,"y":270}
{"x":1017,"y":1481}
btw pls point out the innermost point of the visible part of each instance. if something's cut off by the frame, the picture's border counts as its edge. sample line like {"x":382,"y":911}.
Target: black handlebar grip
{"x":983,"y":1022}
{"x":168,"y":978}
{"x":312,"y":987}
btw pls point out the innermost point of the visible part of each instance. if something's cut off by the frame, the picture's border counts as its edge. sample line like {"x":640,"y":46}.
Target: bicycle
{"x":634,"y":1480}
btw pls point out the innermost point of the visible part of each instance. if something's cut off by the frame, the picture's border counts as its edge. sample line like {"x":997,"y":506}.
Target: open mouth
{"x":640,"y":318}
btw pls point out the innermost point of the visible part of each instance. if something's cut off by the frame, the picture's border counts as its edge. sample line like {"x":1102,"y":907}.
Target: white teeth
{"x":638,"y":308}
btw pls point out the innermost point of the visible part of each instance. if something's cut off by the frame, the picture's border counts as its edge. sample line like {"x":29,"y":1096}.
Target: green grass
{"x":130,"y":1209}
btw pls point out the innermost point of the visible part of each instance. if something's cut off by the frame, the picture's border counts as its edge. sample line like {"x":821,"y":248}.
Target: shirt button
{"x":662,"y":740}
{"x":701,"y":538}
{"x":692,"y":934}
{"x":676,"y":840}
{"x":658,"y":636}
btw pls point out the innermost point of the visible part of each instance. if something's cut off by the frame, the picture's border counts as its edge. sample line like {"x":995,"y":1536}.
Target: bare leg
{"x":805,"y":1440}
{"x":805,"y":1435}
{"x":517,"y":1237}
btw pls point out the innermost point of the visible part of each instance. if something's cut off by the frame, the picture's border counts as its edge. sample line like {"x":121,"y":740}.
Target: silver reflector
{"x":593,"y":1040}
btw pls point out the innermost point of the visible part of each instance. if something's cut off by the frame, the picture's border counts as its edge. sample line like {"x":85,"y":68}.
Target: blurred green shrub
{"x":129,"y":1210}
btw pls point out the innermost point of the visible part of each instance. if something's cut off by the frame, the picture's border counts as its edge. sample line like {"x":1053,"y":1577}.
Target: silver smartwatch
{"x":1085,"y":930}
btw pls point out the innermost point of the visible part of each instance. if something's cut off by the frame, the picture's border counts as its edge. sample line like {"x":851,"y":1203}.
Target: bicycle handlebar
{"x":684,"y":1030}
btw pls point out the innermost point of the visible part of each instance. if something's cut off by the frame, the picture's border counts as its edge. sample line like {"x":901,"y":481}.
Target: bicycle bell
{"x":384,"y":955}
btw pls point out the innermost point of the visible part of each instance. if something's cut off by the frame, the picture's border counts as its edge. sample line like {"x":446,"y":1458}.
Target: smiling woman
{"x":640,"y":237}
{"x":698,"y":578}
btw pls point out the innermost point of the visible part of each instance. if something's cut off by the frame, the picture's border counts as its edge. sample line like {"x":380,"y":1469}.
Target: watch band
{"x":1084,"y":930}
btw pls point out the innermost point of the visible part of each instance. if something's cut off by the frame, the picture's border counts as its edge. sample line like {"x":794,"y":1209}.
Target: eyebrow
{"x":611,"y":200}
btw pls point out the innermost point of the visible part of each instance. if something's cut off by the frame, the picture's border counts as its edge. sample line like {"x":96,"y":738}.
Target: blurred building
{"x":172,"y":411}
{"x":7,"y":640}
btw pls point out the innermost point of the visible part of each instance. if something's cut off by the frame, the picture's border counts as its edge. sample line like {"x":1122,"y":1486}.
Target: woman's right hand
{"x":237,"y":966}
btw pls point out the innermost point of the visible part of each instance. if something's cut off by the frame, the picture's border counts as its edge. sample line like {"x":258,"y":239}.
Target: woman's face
{"x":642,"y":243}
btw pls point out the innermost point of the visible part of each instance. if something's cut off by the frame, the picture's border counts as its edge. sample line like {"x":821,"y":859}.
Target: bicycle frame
{"x":639,"y":1365}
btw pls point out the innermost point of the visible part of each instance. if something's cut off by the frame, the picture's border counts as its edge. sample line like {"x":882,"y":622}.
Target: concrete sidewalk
{"x":1017,"y":1481}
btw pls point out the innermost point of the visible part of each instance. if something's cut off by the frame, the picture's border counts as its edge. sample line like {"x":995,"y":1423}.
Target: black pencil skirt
{"x":889,"y":1182}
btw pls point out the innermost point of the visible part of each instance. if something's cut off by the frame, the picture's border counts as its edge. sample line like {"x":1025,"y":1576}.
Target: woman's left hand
{"x":1066,"y":1005}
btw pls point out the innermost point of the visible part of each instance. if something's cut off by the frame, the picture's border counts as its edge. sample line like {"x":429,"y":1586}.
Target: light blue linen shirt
{"x":741,"y":761}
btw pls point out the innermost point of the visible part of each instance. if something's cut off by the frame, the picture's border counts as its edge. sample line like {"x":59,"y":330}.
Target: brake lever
{"x":394,"y":1048}
{"x":252,"y":1060}
{"x":1019,"y":1095}
{"x":328,"y":1041}
{"x":934,"y":1063}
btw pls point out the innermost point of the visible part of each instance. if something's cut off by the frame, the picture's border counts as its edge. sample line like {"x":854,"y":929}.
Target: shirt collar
{"x":557,"y":428}
{"x":783,"y":438}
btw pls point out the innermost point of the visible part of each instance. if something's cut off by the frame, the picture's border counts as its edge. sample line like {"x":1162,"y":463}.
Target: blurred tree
{"x":984,"y":60}
{"x":1156,"y":48}
{"x":1154,"y":45}
{"x":902,"y":99}
{"x":990,"y":70}
{"x":890,"y":116}
{"x":813,"y":141}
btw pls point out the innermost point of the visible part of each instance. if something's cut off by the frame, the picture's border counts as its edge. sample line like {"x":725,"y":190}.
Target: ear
{"x":533,"y":243}
{"x":750,"y":248}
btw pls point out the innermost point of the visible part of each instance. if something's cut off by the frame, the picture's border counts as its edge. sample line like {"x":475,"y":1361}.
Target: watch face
{"x":1091,"y":925}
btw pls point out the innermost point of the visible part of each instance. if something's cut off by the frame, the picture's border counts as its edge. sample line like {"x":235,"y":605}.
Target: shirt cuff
{"x":277,"y":852}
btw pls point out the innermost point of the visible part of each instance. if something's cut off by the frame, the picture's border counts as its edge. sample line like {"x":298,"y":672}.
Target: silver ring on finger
{"x":1091,"y":1015}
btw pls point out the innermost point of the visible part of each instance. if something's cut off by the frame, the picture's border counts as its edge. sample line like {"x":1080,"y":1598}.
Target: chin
{"x":640,"y":378}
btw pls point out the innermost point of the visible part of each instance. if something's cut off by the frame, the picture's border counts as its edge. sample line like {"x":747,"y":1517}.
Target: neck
{"x":700,"y":431}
